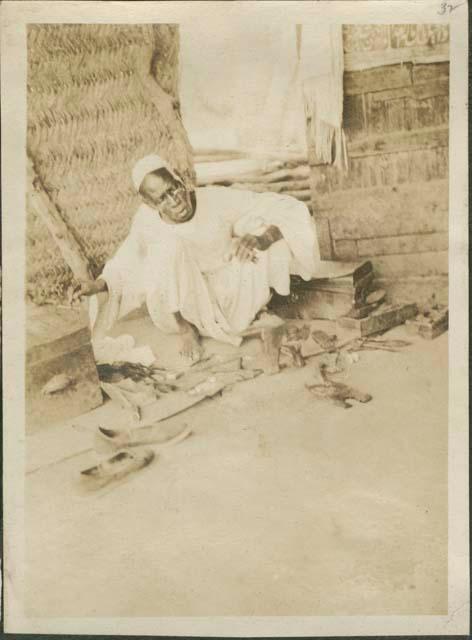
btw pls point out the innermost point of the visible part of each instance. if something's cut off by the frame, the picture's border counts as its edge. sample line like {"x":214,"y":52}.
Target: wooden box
{"x":381,"y":320}
{"x":429,"y":328}
{"x":337,"y":287}
{"x":58,"y":342}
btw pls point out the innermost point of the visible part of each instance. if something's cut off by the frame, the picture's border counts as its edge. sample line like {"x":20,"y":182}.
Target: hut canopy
{"x":99,"y":98}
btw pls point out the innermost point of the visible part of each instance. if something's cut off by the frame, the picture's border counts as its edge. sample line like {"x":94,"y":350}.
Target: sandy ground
{"x":278,"y":504}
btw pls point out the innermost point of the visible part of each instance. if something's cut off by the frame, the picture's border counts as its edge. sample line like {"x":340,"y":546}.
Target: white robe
{"x":185,"y":268}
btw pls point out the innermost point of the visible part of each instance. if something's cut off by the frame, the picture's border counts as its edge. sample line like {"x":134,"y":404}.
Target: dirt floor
{"x":278,"y":504}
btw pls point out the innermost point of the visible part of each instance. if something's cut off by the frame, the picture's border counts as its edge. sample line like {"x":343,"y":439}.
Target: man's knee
{"x":164,"y":320}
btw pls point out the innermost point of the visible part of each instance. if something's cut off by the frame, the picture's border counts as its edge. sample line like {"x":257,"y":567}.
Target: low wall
{"x":392,"y":205}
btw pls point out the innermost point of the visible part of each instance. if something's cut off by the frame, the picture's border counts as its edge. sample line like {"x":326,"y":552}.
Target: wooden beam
{"x":317,"y":184}
{"x":396,"y":245}
{"x":179,"y":151}
{"x":42,"y":205}
{"x":291,"y":186}
{"x":377,"y":79}
{"x":360,"y":60}
{"x":368,"y":213}
{"x":423,"y":91}
{"x":426,"y":72}
{"x":431,"y":263}
{"x":399,"y":141}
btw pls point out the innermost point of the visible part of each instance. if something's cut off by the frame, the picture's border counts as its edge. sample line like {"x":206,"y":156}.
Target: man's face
{"x":169,"y":197}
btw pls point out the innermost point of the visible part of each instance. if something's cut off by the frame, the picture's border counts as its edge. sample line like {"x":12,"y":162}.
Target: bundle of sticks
{"x":288,"y":176}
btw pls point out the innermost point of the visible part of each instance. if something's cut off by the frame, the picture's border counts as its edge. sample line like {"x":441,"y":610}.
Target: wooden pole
{"x":325,"y":240}
{"x":40,"y":202}
{"x":179,"y":151}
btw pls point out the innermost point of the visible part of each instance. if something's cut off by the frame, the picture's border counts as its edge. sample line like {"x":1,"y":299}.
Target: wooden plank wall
{"x":392,"y":205}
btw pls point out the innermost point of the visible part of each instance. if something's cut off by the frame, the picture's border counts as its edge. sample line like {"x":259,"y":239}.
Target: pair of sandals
{"x":129,"y":455}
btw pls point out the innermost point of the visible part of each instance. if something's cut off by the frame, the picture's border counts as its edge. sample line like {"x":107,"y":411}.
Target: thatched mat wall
{"x":99,"y":98}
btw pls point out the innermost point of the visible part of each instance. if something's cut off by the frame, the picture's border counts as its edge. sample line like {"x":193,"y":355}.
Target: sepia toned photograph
{"x":236,"y":297}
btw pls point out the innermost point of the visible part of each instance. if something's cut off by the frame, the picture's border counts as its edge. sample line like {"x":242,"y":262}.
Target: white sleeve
{"x":117,"y":269}
{"x":290,"y":215}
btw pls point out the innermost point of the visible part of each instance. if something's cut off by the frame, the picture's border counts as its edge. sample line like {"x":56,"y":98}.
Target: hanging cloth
{"x":322,"y":67}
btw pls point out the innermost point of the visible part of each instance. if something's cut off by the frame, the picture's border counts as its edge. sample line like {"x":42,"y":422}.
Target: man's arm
{"x":271,"y":234}
{"x":250,"y":243}
{"x":292,"y":219}
{"x":110,"y":278}
{"x":89,"y":288}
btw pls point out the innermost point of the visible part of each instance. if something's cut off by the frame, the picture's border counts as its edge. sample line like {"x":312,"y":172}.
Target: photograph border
{"x":14,"y":18}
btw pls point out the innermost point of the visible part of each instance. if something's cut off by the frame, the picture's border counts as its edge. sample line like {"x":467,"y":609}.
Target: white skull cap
{"x":147,"y":165}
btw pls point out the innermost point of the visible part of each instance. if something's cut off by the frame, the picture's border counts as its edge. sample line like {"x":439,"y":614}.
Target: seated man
{"x":203,"y":260}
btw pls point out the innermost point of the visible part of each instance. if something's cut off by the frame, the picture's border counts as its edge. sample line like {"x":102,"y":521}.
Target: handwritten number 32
{"x":448,"y":8}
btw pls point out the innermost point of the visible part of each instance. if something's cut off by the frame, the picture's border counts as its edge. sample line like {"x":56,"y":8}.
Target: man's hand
{"x":249,"y":244}
{"x":246,"y":248}
{"x":87,"y":288}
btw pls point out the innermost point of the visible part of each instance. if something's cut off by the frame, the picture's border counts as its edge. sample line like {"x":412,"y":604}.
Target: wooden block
{"x":381,"y":320}
{"x":429,"y":329}
{"x":331,"y":294}
{"x":334,"y":275}
{"x":363,"y":310}
{"x":59,"y":343}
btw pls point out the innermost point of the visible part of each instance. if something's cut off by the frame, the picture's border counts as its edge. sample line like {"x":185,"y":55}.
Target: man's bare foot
{"x":190,"y":347}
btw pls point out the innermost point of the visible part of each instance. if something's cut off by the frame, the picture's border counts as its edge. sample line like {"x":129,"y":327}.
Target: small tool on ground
{"x":290,"y":356}
{"x":337,"y":392}
{"x":327,"y":342}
